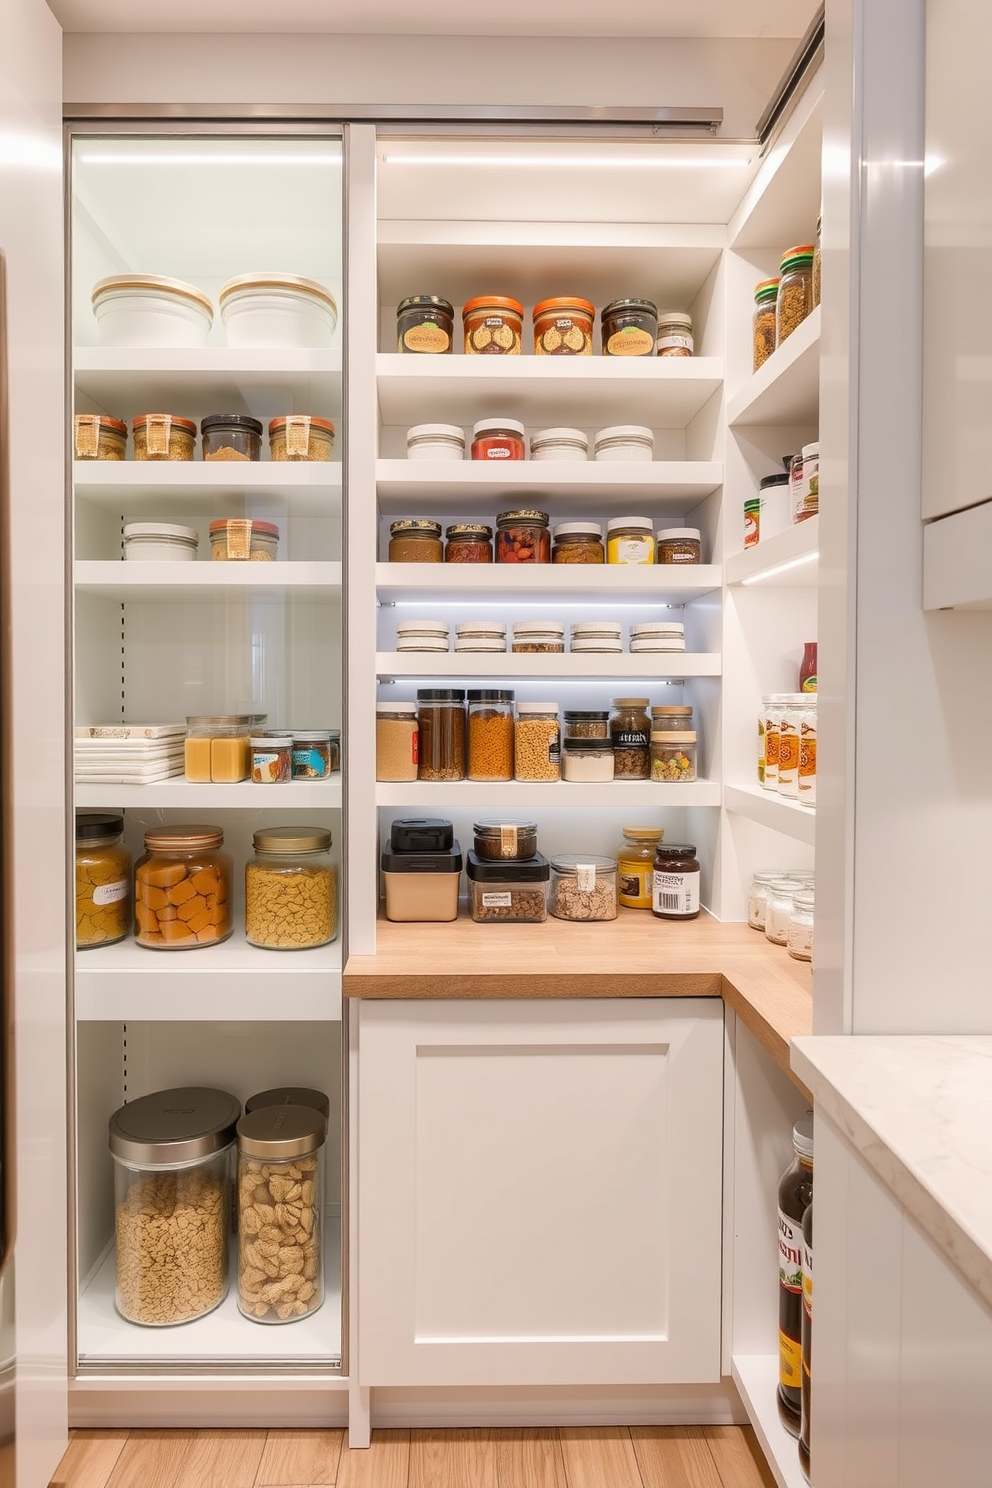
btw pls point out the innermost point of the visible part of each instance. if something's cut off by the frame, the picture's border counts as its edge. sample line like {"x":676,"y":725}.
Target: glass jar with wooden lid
{"x":300,"y":436}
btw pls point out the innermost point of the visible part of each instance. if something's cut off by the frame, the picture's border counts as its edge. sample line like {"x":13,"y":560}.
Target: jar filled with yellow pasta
{"x":291,"y":889}
{"x":103,"y":880}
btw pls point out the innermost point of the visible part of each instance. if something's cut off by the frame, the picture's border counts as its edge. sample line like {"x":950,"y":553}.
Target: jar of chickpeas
{"x":537,"y":742}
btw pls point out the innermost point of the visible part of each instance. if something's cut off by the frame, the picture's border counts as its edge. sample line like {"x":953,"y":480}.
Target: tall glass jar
{"x":630,"y":731}
{"x":635,"y":865}
{"x":103,"y":880}
{"x":291,"y":889}
{"x":280,"y":1213}
{"x":795,"y":291}
{"x":441,"y":725}
{"x":764,"y":330}
{"x":537,"y":742}
{"x":757,"y":899}
{"x":799,"y":937}
{"x":778,"y":908}
{"x":771,"y":716}
{"x":490,"y":734}
{"x":397,"y":739}
{"x":807,"y":752}
{"x":182,"y":889}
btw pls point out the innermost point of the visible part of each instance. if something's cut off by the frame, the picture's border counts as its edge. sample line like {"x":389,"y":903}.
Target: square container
{"x":422,"y":886}
{"x":508,"y":893}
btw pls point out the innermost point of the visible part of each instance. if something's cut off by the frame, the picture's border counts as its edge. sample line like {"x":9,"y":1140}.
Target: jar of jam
{"x":629,"y":540}
{"x":578,"y":542}
{"x":563,"y":327}
{"x":629,"y":328}
{"x":469,"y":542}
{"x":498,"y":439}
{"x":98,"y":437}
{"x":182,"y":889}
{"x":163,"y":436}
{"x":522,"y":537}
{"x":675,"y":891}
{"x":231,"y":436}
{"x":425,"y":324}
{"x":635,"y":865}
{"x":414,"y":540}
{"x":493,"y":326}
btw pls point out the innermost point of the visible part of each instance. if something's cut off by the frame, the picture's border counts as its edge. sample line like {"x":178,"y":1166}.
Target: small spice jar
{"x":765,"y":318}
{"x":583,"y":887}
{"x":679,"y":545}
{"x":578,"y":542}
{"x":503,"y":841}
{"x":586,"y":759}
{"x":468,"y":542}
{"x":312,"y":754}
{"x":657,"y":635}
{"x":493,"y":326}
{"x":675,"y":334}
{"x":629,"y":540}
{"x":757,"y":898}
{"x":396,"y":741}
{"x":543,"y":637}
{"x":97,"y":437}
{"x":597,"y":636}
{"x":231,"y":436}
{"x":280,"y":1195}
{"x":795,"y":290}
{"x":425,"y":324}
{"x":435,"y":442}
{"x":563,"y":326}
{"x":182,"y":896}
{"x":799,"y":936}
{"x":629,"y":328}
{"x":441,"y":721}
{"x":522,"y":536}
{"x":271,"y":759}
{"x":559,"y":444}
{"x":243,"y":539}
{"x":490,"y":734}
{"x":415,"y":540}
{"x":163,"y":436}
{"x":291,"y":889}
{"x":498,"y":439}
{"x":583,"y":724}
{"x":778,"y":908}
{"x":103,"y":880}
{"x":624,"y":443}
{"x":537,"y":742}
{"x":635,"y":865}
{"x":299,"y":436}
{"x":480,"y":635}
{"x":630,"y":732}
{"x":675,"y":888}
{"x":673,"y":755}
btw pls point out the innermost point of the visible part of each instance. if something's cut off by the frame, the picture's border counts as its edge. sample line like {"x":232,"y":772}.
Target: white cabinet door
{"x":539,"y":1192}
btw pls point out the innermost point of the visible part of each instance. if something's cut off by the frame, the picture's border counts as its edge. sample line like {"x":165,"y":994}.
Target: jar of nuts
{"x":172,"y":1199}
{"x":291,"y":889}
{"x":182,"y":889}
{"x":280,"y":1211}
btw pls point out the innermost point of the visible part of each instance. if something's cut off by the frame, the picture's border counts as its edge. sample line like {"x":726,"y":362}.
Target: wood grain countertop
{"x":632,"y":956}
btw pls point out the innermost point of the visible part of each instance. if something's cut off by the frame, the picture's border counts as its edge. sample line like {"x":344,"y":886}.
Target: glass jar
{"x":422,"y":635}
{"x":243,"y":539}
{"x":670,"y":717}
{"x":435,"y":442}
{"x":97,"y":437}
{"x":584,"y":760}
{"x":299,"y":436}
{"x":795,"y":291}
{"x":469,"y":542}
{"x":280,"y":1197}
{"x":585,"y":724}
{"x":630,"y":733}
{"x":291,"y":889}
{"x":799,"y":936}
{"x":629,"y":328}
{"x":807,"y":752}
{"x":441,"y":723}
{"x":675,"y":334}
{"x":182,"y":884}
{"x":425,"y":324}
{"x":679,"y":545}
{"x":163,"y":436}
{"x":563,"y":327}
{"x":817,"y":259}
{"x":757,"y":899}
{"x":103,"y":880}
{"x":764,"y":328}
{"x":217,"y":748}
{"x":675,"y":886}
{"x":537,"y":742}
{"x":498,"y":439}
{"x":414,"y":540}
{"x":504,"y":841}
{"x":635,"y":865}
{"x":629,"y":540}
{"x":673,"y":755}
{"x":522,"y":536}
{"x":657,"y":635}
{"x":493,"y":326}
{"x":490,"y":734}
{"x":231,"y":436}
{"x":507,"y":893}
{"x":795,"y":1194}
{"x":596,"y":645}
{"x":313,"y":754}
{"x":811,"y":480}
{"x":578,"y":542}
{"x":771,"y":713}
{"x":396,"y":741}
{"x":539,"y":636}
{"x":624,"y":443}
{"x":583,"y":887}
{"x":559,"y":444}
{"x":788,"y":746}
{"x":172,"y":1203}
{"x":778,"y":908}
{"x":271,"y":759}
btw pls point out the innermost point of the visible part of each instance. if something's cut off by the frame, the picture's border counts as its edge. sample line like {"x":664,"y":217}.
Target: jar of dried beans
{"x":630,"y":731}
{"x":522,"y":536}
{"x":490,"y":734}
{"x":795,"y":291}
{"x":280,"y":1213}
{"x":765,"y":297}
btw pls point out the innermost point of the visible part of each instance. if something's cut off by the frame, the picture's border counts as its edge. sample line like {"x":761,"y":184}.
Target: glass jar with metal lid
{"x":291,"y":889}
{"x":635,"y":865}
{"x":173,"y":1202}
{"x":103,"y":879}
{"x":231,"y":436}
{"x":675,"y":334}
{"x":764,"y":325}
{"x":578,"y":542}
{"x":243,"y":539}
{"x":98,"y":437}
{"x":629,"y":327}
{"x":468,"y":542}
{"x":522,"y":536}
{"x":290,"y":1095}
{"x":629,"y":540}
{"x":670,"y":716}
{"x":583,"y":887}
{"x":299,"y":436}
{"x":630,"y":731}
{"x":182,"y":889}
{"x":280,"y":1213}
{"x":163,"y":436}
{"x":504,"y":841}
{"x":493,"y":325}
{"x":675,"y":889}
{"x":563,"y":326}
{"x":425,"y":324}
{"x":795,"y":291}
{"x":415,"y":540}
{"x":587,"y":724}
{"x":559,"y":444}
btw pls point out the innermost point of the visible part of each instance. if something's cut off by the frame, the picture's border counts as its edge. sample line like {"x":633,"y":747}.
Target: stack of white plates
{"x":128,"y":753}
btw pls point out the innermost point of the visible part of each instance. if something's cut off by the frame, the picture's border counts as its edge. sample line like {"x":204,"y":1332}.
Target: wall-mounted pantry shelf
{"x":786,"y":191}
{"x":553,"y":667}
{"x":957,"y":561}
{"x":785,"y":560}
{"x":756,"y":1376}
{"x":559,"y":795}
{"x":663,"y":584}
{"x":786,"y":390}
{"x":586,"y":486}
{"x":309,"y":487}
{"x":206,"y":580}
{"x":771,"y":810}
{"x":180,"y":794}
{"x":114,"y":377}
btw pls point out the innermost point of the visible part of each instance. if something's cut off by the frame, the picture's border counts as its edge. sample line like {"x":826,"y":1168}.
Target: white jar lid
{"x":538,"y":627}
{"x":596,"y":643}
{"x":566,"y":529}
{"x":559,"y":436}
{"x":272,"y":741}
{"x":811,"y":451}
{"x":637,"y":432}
{"x":422,"y":627}
{"x":674,"y":317}
{"x":669,"y":534}
{"x":658,"y":628}
{"x":164,"y":530}
{"x":596,"y":627}
{"x":510,"y":425}
{"x":537,"y":708}
{"x":436,"y":431}
{"x":643,"y":524}
{"x":410,"y":708}
{"x":480,"y":627}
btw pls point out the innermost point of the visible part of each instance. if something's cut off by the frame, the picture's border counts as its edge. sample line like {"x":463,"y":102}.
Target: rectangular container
{"x":508,"y":893}
{"x":422,"y":886}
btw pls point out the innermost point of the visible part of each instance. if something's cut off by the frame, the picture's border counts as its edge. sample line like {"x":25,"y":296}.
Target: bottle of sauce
{"x":635,"y":865}
{"x":807,"y":670}
{"x":795,"y":1194}
{"x":807,"y":1343}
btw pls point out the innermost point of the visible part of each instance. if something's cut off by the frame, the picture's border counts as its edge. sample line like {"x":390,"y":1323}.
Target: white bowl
{"x":270,"y":310}
{"x":150,"y":310}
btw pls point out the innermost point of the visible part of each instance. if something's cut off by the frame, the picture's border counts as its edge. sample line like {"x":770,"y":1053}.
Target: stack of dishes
{"x":128,"y":753}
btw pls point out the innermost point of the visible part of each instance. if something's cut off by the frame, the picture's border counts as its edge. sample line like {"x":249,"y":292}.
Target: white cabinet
{"x":539,"y":1192}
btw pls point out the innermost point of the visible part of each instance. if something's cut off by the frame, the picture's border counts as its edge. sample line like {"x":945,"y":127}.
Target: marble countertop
{"x":918,"y":1109}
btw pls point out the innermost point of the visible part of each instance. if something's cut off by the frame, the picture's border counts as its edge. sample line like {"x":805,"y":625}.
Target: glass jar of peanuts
{"x":280,"y":1212}
{"x":103,"y":879}
{"x":182,"y":885}
{"x":291,"y":889}
{"x":172,"y":1201}
{"x":537,"y":742}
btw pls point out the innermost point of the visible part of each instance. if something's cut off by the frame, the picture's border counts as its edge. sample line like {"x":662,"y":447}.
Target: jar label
{"x":631,"y":739}
{"x":772,"y":740}
{"x":585,"y":877}
{"x":807,"y":1281}
{"x":498,"y":452}
{"x":807,"y":752}
{"x":266,"y":768}
{"x":750,"y":528}
{"x":298,"y":435}
{"x":238,"y":535}
{"x":508,"y":841}
{"x":635,"y":884}
{"x":415,"y":747}
{"x":675,"y":893}
{"x":497,"y":900}
{"x":310,"y":763}
{"x":630,"y":550}
{"x":676,"y":341}
{"x":788,"y":750}
{"x":428,"y":336}
{"x":631,"y":341}
{"x":111,"y":893}
{"x":158,"y":427}
{"x":790,"y":1278}
{"x":87,"y":426}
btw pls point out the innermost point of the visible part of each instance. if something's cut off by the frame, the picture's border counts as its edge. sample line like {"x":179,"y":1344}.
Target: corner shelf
{"x":786,"y":389}
{"x":310,"y":487}
{"x":770,"y":810}
{"x":562,"y":794}
{"x":552,"y":667}
{"x":756,"y":1377}
{"x":178,"y":793}
{"x":206,"y":580}
{"x":663,"y":584}
{"x":795,"y":552}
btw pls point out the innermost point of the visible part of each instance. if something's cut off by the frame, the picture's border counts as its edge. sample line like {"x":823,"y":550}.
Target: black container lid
{"x":490,"y":695}
{"x":425,"y":302}
{"x":91,"y":824}
{"x":778,"y":479}
{"x":231,"y":421}
{"x":619,"y":306}
{"x":584,"y":745}
{"x":290,"y":1095}
{"x":174,"y":1126}
{"x":426,"y":862}
{"x":420,"y":834}
{"x":440,"y":694}
{"x":521,"y":870}
{"x":587,"y":717}
{"x":675,"y":850}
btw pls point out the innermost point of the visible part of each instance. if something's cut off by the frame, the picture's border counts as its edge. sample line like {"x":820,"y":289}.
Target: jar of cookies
{"x":280,"y":1210}
{"x":182,"y":896}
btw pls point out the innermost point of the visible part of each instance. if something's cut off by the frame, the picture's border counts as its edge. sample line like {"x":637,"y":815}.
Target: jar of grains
{"x":291,"y":889}
{"x":173,"y":1203}
{"x":280,"y":1197}
{"x":425,"y":324}
{"x":578,"y":542}
{"x":231,"y":436}
{"x":817,"y":259}
{"x":795,"y":291}
{"x":243,"y":539}
{"x":765,"y":298}
{"x":679,"y":545}
{"x":396,"y":741}
{"x":493,"y":326}
{"x":298,"y":436}
{"x":583,"y":887}
{"x":563,"y":326}
{"x":441,"y":721}
{"x":675,"y":334}
{"x":635,"y":865}
{"x":629,"y":328}
{"x":757,"y":898}
{"x":629,"y":540}
{"x":522,"y":536}
{"x":584,"y":760}
{"x":97,"y":437}
{"x":163,"y":436}
{"x":537,"y":742}
{"x":630,"y":732}
{"x":490,"y":734}
{"x":182,"y":889}
{"x":468,"y":542}
{"x":542,"y":636}
{"x":414,"y":540}
{"x":103,"y":879}
{"x":584,"y":724}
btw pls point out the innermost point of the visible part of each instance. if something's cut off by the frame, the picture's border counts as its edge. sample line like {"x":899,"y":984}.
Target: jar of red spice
{"x":469,"y":542}
{"x":498,"y":439}
{"x":563,"y":327}
{"x":522,"y":536}
{"x":493,"y":326}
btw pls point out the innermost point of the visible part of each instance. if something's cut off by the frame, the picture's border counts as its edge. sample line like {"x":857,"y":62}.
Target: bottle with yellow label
{"x":635,"y":865}
{"x":795,"y":1194}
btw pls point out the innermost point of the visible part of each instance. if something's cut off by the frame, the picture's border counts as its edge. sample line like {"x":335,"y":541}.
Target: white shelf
{"x":181,"y":794}
{"x":770,"y":810}
{"x":665,"y":583}
{"x":788,"y":559}
{"x":310,"y":487}
{"x":558,"y":667}
{"x":786,"y":389}
{"x":661,"y":392}
{"x":205,"y":580}
{"x":127,"y":983}
{"x":254,"y":377}
{"x":780,"y":206}
{"x":957,"y":561}
{"x":756,"y":1377}
{"x":668,"y":487}
{"x":478,"y":795}
{"x":222,"y":1337}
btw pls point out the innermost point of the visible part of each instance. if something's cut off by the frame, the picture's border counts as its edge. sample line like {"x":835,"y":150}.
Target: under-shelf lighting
{"x":189,"y":158}
{"x":563,"y":603}
{"x":585,"y":162}
{"x":780,"y":568}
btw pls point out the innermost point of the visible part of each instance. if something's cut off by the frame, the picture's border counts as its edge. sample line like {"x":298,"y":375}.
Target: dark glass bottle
{"x":795,"y":1194}
{"x":807,"y":1330}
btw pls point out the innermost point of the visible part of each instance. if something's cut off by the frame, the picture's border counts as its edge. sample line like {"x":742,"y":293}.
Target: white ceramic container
{"x":278,"y":310}
{"x":150,"y":310}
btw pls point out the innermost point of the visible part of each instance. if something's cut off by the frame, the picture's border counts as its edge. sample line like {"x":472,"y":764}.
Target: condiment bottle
{"x":795,"y":1193}
{"x":635,"y":865}
{"x":675,"y":887}
{"x":807,"y":1341}
{"x":807,"y":669}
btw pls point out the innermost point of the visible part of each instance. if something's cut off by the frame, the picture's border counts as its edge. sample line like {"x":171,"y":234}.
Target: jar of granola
{"x":280,"y":1197}
{"x":583,"y":887}
{"x":163,"y":436}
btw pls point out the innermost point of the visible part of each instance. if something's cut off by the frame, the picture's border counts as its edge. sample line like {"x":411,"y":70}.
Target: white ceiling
{"x":658,"y":18}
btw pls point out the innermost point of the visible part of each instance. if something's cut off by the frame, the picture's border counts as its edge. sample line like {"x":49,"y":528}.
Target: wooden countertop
{"x":632,"y":956}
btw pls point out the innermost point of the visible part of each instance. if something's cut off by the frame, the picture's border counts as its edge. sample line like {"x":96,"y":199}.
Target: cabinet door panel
{"x":539,"y":1192}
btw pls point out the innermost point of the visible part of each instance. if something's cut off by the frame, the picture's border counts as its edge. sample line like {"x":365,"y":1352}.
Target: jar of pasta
{"x":291,"y":889}
{"x":103,"y":880}
{"x":182,"y":884}
{"x":490,"y":734}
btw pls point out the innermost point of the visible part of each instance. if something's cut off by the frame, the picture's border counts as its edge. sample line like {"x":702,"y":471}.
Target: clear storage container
{"x":764,"y":324}
{"x":271,"y":759}
{"x":629,"y":540}
{"x":584,"y":760}
{"x":103,"y":879}
{"x":537,"y":742}
{"x":163,"y":436}
{"x":629,"y":328}
{"x":182,"y":889}
{"x":280,"y":1213}
{"x":98,"y":437}
{"x":299,"y":436}
{"x":425,"y":325}
{"x":396,"y":741}
{"x":522,"y":536}
{"x":795,"y":291}
{"x":242,"y":539}
{"x":543,"y":636}
{"x":313,"y":753}
{"x":675,"y":334}
{"x":583,"y":887}
{"x":218,"y":748}
{"x":441,"y":721}
{"x":468,"y":542}
{"x":291,"y":889}
{"x":757,"y":899}
{"x":499,"y":841}
{"x":779,"y":899}
{"x":630,"y":731}
{"x":508,"y":893}
{"x":799,"y":936}
{"x":231,"y":436}
{"x":679,"y":545}
{"x":673,"y":755}
{"x":490,"y":734}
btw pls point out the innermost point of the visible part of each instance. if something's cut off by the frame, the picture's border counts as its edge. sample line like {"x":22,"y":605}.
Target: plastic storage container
{"x":273,"y":310}
{"x":490,"y":734}
{"x":537,"y":742}
{"x":625,"y":443}
{"x":586,"y":760}
{"x":757,"y":899}
{"x":559,"y":444}
{"x":508,"y":893}
{"x":422,"y":635}
{"x":396,"y":741}
{"x":480,"y":636}
{"x":98,"y":437}
{"x":218,"y":748}
{"x":182,"y":889}
{"x":668,"y":716}
{"x":231,"y":436}
{"x":163,"y":436}
{"x":493,"y":325}
{"x":299,"y":436}
{"x":103,"y":880}
{"x":243,"y":539}
{"x":160,"y":542}
{"x":779,"y":899}
{"x":563,"y":326}
{"x":441,"y":721}
{"x":425,"y":325}
{"x":498,"y":841}
{"x":630,"y":732}
{"x":583,"y":887}
{"x":291,"y":889}
{"x":540,"y":636}
{"x":151,"y":310}
{"x":422,"y":886}
{"x":280,"y":1197}
{"x":435,"y":442}
{"x":799,"y":936}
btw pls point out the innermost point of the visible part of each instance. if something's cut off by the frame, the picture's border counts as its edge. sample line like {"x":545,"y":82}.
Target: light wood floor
{"x":573,"y":1457}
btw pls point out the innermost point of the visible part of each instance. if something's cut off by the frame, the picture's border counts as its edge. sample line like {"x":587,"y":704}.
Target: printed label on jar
{"x":631,"y":341}
{"x":676,"y":344}
{"x":309,"y":763}
{"x":585,"y":877}
{"x":266,"y":768}
{"x":497,"y":901}
{"x":675,"y":893}
{"x":790,"y":1253}
{"x":426,"y":337}
{"x":508,"y":841}
{"x":751,"y":533}
{"x":635,"y":886}
{"x":111,"y":893}
{"x":498,"y":452}
{"x":631,"y":739}
{"x":630,"y":550}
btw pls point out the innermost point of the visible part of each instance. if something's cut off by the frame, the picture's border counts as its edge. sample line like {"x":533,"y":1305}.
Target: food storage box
{"x":151,"y":310}
{"x":160,"y":542}
{"x":277,"y":310}
{"x":508,"y":893}
{"x":422,"y":885}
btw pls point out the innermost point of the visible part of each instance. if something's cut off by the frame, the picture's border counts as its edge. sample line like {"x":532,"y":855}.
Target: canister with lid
{"x":635,"y":865}
{"x":771,"y":713}
{"x":182,"y":889}
{"x":629,"y":327}
{"x":513,"y":892}
{"x":217,"y":748}
{"x":657,"y":636}
{"x":299,"y":436}
{"x":807,"y":751}
{"x":103,"y":879}
{"x":559,"y":444}
{"x":522,"y":536}
{"x":679,"y":545}
{"x":630,"y":731}
{"x":795,"y":290}
{"x":624,"y":442}
{"x":163,"y":436}
{"x":480,"y":635}
{"x":290,"y":1095}
{"x":98,"y":437}
{"x":675,"y":889}
{"x":396,"y":741}
{"x":498,"y":439}
{"x":583,"y":723}
{"x":468,"y":542}
{"x":597,"y":636}
{"x":670,"y":716}
{"x":629,"y":540}
{"x":583,"y":887}
{"x":425,"y":324}
{"x":243,"y":539}
{"x":799,"y":936}
{"x":675,"y":334}
{"x":538,"y":636}
{"x":587,"y":758}
{"x":291,"y":889}
{"x":536,"y":742}
{"x":563,"y":326}
{"x":764,"y":325}
{"x":160,"y":542}
{"x":789,"y":719}
{"x":415,"y":540}
{"x":277,"y":310}
{"x":435,"y":442}
{"x":504,"y":841}
{"x":578,"y":542}
{"x":774,"y":505}
{"x":673,"y":755}
{"x":441,"y":720}
{"x":271,"y":759}
{"x":151,"y":311}
{"x":313,"y":754}
{"x":422,"y":635}
{"x":490,"y":734}
{"x":231,"y":436}
{"x":493,"y":325}
{"x":280,"y":1195}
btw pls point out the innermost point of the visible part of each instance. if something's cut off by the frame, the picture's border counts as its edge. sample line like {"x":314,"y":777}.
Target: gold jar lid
{"x":244,"y":282}
{"x":184,"y":836}
{"x":292,"y":839}
{"x":644,"y":834}
{"x":156,"y":283}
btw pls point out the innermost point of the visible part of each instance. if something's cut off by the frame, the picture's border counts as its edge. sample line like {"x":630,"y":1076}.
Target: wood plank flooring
{"x":547,"y":1457}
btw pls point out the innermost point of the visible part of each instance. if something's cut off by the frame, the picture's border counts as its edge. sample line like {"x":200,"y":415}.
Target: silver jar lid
{"x":290,"y":1095}
{"x":281,"y":1132}
{"x":174,"y":1126}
